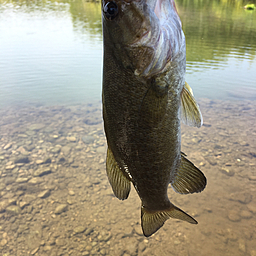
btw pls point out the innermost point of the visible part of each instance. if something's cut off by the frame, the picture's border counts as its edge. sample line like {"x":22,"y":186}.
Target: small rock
{"x":39,"y":161}
{"x":3,"y":242}
{"x":60,"y":241}
{"x":47,"y":160}
{"x":36,"y":127}
{"x":88,"y":231}
{"x":88,"y":139}
{"x":253,"y":178}
{"x":246,"y":214}
{"x":42,"y":172}
{"x":22,"y":159}
{"x":55,"y":150}
{"x":234,"y":216}
{"x":13,"y":209}
{"x":61,"y":208}
{"x":34,"y":251}
{"x":44,"y":193}
{"x":23,"y":204}
{"x":66,"y":150}
{"x":71,"y":139}
{"x":101,"y":150}
{"x":7,"y":146}
{"x":21,"y":180}
{"x":227,"y":172}
{"x":71,"y":192}
{"x":79,"y":229}
{"x":10,"y":167}
{"x":35,"y":181}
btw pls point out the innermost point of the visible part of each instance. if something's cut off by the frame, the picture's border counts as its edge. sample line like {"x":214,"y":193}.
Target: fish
{"x":144,"y":99}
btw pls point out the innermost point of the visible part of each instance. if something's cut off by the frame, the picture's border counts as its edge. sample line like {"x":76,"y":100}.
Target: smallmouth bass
{"x":145,"y":97}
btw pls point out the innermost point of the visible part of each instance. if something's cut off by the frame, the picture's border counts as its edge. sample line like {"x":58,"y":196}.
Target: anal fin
{"x":190,"y":112}
{"x":120,"y":184}
{"x":151,"y":221}
{"x":188,"y":179}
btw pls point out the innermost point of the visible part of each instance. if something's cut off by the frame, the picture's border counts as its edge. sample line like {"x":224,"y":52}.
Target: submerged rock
{"x":61,"y":208}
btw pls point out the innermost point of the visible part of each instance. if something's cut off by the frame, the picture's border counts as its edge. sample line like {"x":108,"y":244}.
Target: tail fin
{"x":151,"y":221}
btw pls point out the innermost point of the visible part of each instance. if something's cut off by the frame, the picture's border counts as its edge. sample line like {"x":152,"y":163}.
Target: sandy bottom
{"x":55,"y":198}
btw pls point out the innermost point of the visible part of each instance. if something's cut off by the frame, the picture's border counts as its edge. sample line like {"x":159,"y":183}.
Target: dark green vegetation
{"x":218,"y":27}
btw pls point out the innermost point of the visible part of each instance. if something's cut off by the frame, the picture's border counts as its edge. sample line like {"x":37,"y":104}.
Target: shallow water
{"x":55,"y":198}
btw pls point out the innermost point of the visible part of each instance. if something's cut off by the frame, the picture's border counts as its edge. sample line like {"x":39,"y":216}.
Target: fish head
{"x":143,"y":35}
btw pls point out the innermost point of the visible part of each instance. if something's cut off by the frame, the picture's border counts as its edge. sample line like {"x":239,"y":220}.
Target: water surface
{"x":51,"y":51}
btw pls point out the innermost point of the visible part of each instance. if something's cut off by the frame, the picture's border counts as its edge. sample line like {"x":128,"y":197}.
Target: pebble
{"x":22,"y":159}
{"x":61,"y":208}
{"x":3,"y":242}
{"x":10,"y":167}
{"x":42,"y":172}
{"x":88,"y":139}
{"x":71,"y":139}
{"x":34,"y":251}
{"x":66,"y":150}
{"x":234,"y":216}
{"x":7,"y":146}
{"x":44,"y":193}
{"x":55,"y":150}
{"x":227,"y":172}
{"x":101,"y":150}
{"x":36,"y":127}
{"x":35,"y":180}
{"x":252,"y":177}
{"x":13,"y":209}
{"x":21,"y":180}
{"x":71,"y":192}
{"x":246,"y":214}
{"x":79,"y":229}
{"x":39,"y":161}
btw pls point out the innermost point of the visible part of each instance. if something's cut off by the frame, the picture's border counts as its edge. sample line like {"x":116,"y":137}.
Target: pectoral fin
{"x":151,"y":221}
{"x":190,"y":112}
{"x":120,"y":184}
{"x":188,"y":179}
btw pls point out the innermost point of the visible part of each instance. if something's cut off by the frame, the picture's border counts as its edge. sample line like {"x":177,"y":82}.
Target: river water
{"x":55,"y":198}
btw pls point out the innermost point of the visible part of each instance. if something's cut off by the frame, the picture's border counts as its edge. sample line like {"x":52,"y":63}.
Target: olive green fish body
{"x":144,"y":96}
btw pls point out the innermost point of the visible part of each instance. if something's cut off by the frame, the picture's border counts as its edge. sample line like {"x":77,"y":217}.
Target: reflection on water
{"x":51,"y":51}
{"x":55,"y":198}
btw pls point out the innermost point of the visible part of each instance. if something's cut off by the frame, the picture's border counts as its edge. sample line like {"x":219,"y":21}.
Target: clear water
{"x":55,"y":198}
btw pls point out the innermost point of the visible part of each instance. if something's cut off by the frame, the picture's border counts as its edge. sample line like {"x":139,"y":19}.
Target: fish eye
{"x":110,"y":10}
